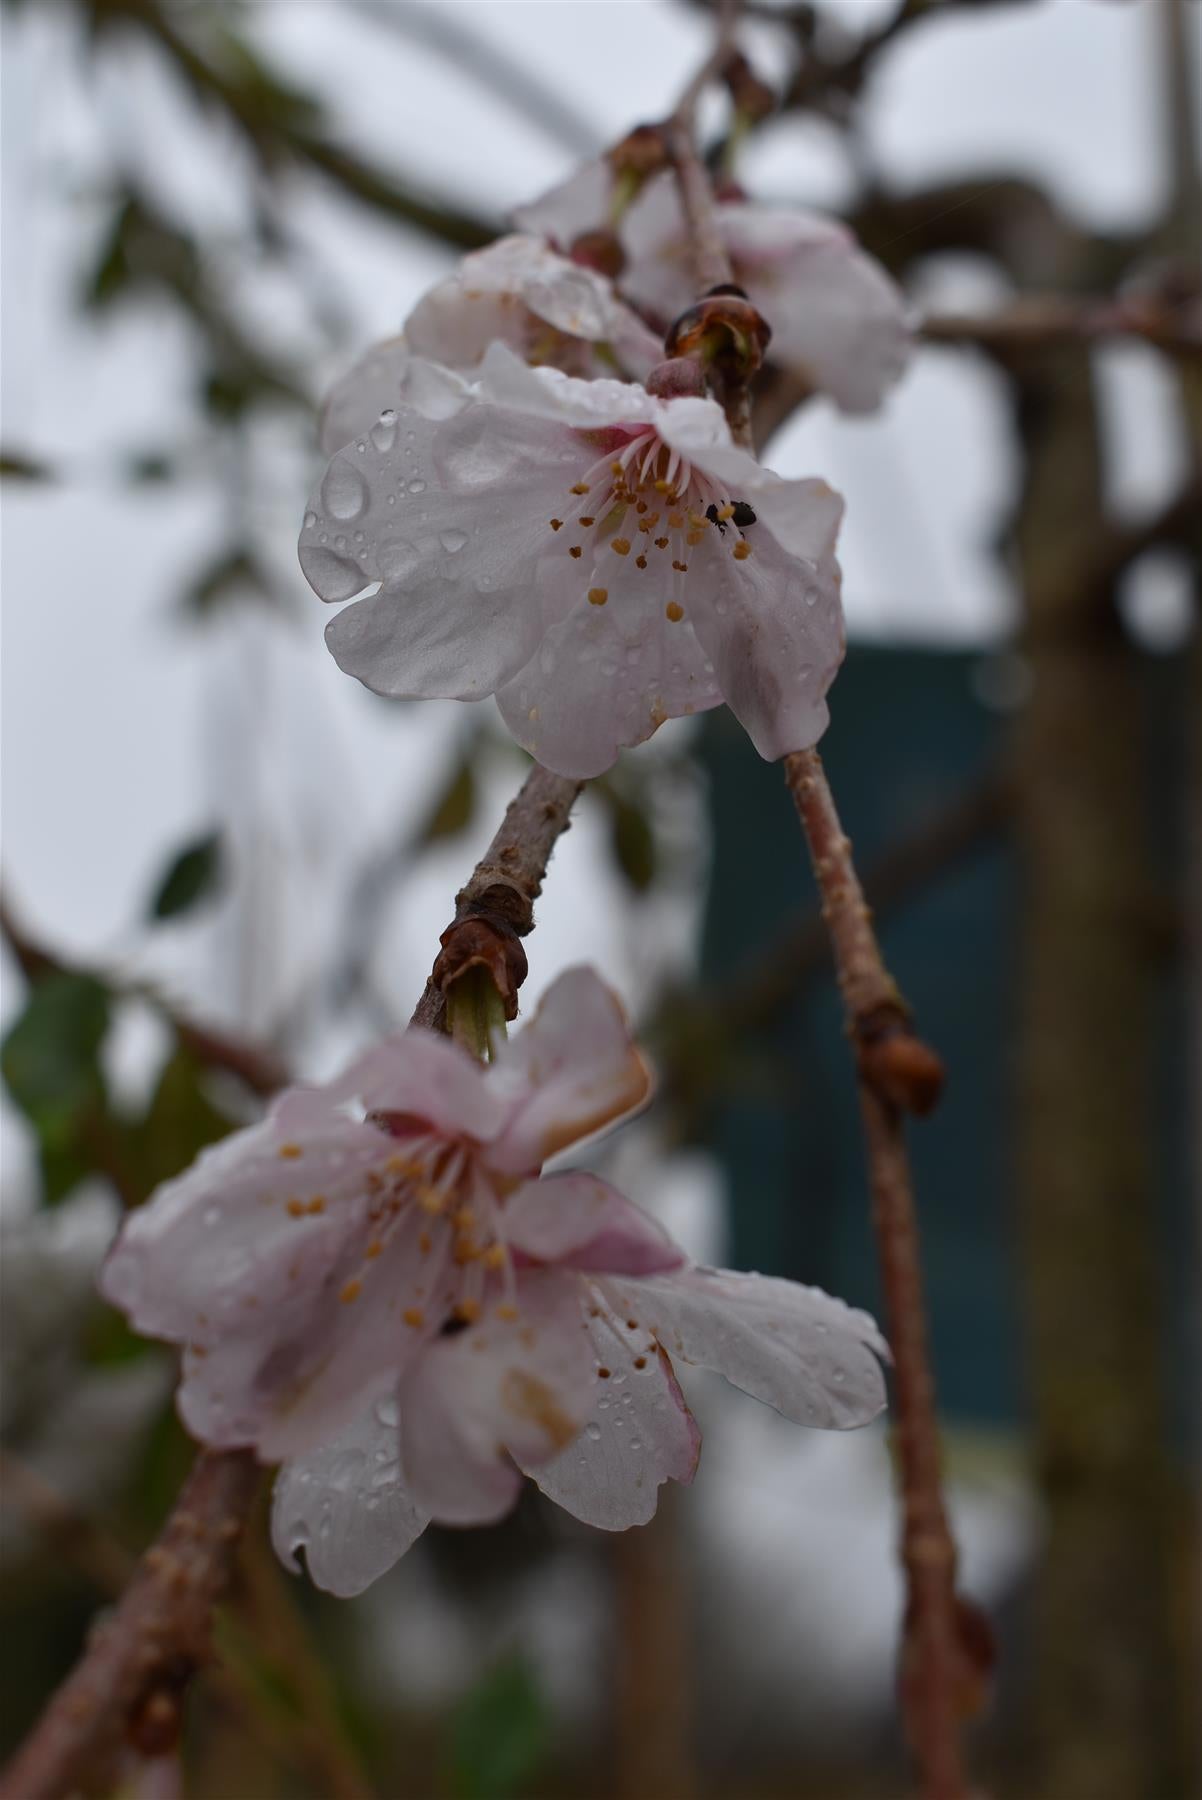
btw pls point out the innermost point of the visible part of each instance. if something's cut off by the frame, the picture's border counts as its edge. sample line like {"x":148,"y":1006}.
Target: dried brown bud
{"x":155,"y":1722}
{"x":676,"y":378}
{"x":642,"y":152}
{"x":476,"y":942}
{"x":896,"y":1063}
{"x":722,"y":329}
{"x":601,"y":250}
{"x":753,"y":98}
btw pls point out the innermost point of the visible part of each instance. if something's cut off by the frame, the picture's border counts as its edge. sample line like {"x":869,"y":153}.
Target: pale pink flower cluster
{"x":524,"y":519}
{"x":837,"y":318}
{"x":379,"y":1287}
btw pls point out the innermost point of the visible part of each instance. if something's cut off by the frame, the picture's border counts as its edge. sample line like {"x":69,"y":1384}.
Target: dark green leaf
{"x":14,"y":467}
{"x":454,"y":808}
{"x":51,"y":1065}
{"x":499,"y":1735}
{"x":179,"y":1122}
{"x":632,"y":842}
{"x":194,"y":875}
{"x":51,"y":1054}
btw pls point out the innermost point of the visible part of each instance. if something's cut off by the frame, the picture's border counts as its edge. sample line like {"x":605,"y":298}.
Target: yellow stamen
{"x":580,"y":487}
{"x":742,"y":551}
{"x":674,"y":611}
{"x":622,"y":546}
{"x":494,"y":1256}
{"x":467,"y":1310}
{"x":575,"y":550}
{"x":290,"y":1152}
{"x":414,"y":1316}
{"x":598,"y":596}
{"x":350,"y":1292}
{"x":507,"y":1312}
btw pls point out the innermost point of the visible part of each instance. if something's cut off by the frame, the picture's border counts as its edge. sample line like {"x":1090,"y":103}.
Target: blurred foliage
{"x":52,"y":1068}
{"x":195,"y":874}
{"x":500,"y":1733}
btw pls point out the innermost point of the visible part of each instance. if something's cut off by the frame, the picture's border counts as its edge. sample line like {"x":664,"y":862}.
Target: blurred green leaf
{"x":51,"y":1065}
{"x":15,"y":467}
{"x":499,"y":1734}
{"x":454,"y":807}
{"x":195,"y":874}
{"x":632,"y":841}
{"x":178,"y":1123}
{"x":51,"y":1054}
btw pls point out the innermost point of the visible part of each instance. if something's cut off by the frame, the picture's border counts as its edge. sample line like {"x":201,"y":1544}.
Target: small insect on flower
{"x":452,"y":1319}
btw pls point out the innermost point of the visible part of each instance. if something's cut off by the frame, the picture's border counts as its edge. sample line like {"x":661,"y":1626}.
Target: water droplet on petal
{"x":593,"y":1431}
{"x":387,"y":1412}
{"x":310,"y":520}
{"x":417,"y":487}
{"x":383,"y":432}
{"x":453,"y":540}
{"x":344,"y":491}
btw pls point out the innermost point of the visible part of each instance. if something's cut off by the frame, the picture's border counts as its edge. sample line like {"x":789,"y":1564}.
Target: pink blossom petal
{"x":835,"y":314}
{"x":810,"y":1356}
{"x":357,"y":399}
{"x":503,"y":1388}
{"x":572,"y":1069}
{"x":641,"y":1434}
{"x":424,"y":1073}
{"x":440,"y":640}
{"x":546,"y":308}
{"x":579,"y":1221}
{"x":286,"y":1377}
{"x":346,"y":1506}
{"x":608,"y":675}
{"x":570,"y":207}
{"x":773,"y":626}
{"x":226,"y":1236}
{"x":361,"y":1331}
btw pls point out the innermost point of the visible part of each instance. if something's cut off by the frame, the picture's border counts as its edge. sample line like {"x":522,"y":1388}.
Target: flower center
{"x":650,"y":502}
{"x":435,"y":1190}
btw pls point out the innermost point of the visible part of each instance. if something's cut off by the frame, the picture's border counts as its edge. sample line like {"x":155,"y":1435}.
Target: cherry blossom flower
{"x":836,"y":317}
{"x":599,"y":558}
{"x":377,"y":1286}
{"x":548,"y":310}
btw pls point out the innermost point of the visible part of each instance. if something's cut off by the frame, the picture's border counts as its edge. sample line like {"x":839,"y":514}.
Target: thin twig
{"x":1043,"y":322}
{"x":895,"y":1070}
{"x":140,"y":1659}
{"x":500,"y":895}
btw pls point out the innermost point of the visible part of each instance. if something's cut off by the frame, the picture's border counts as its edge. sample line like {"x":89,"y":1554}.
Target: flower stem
{"x":476,"y":1013}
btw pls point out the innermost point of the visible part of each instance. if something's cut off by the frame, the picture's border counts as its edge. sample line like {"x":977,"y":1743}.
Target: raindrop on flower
{"x":344,"y":491}
{"x":383,"y":432}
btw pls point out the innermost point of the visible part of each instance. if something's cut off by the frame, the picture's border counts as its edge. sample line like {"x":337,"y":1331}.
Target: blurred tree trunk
{"x":1104,"y":1665}
{"x":653,"y":1661}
